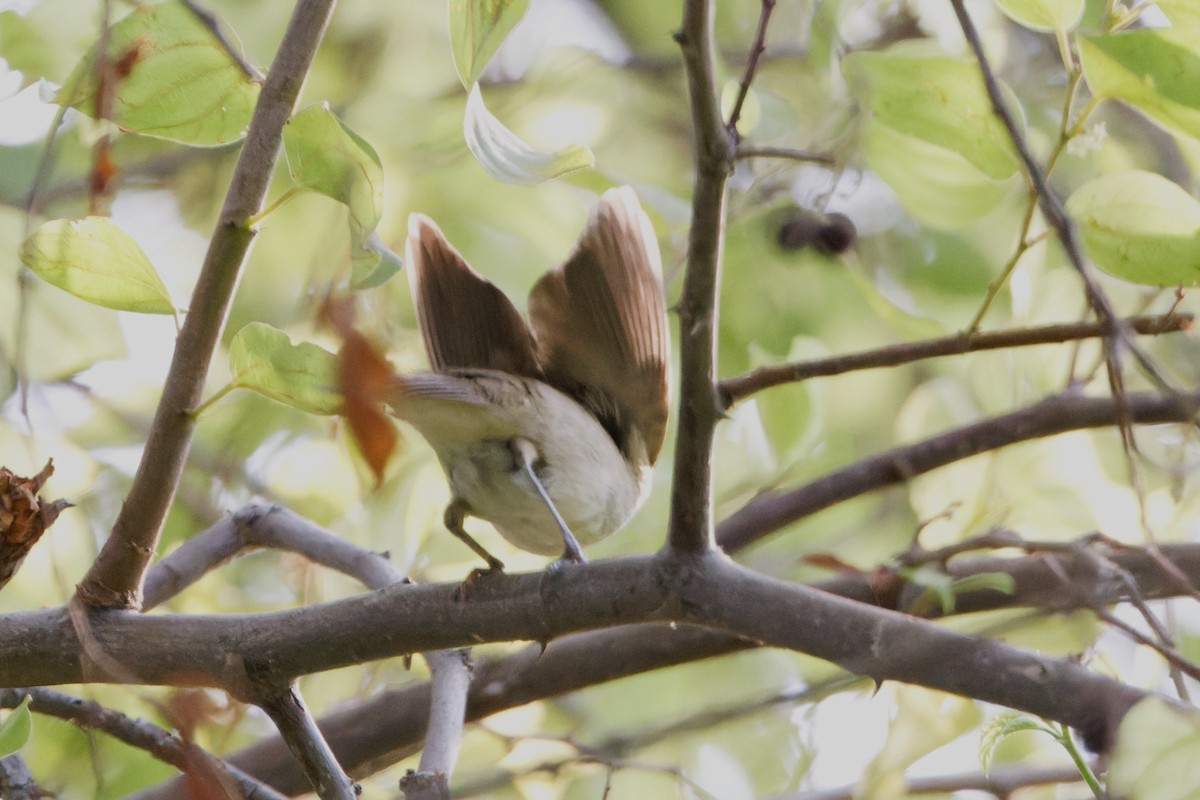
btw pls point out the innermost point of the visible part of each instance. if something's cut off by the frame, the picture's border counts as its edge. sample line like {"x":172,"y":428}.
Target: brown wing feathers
{"x":465,"y":320}
{"x":599,"y":319}
{"x":600,"y":322}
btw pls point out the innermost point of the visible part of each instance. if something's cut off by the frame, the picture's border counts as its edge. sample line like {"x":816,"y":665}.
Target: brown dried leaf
{"x":24,"y":517}
{"x":365,"y":378}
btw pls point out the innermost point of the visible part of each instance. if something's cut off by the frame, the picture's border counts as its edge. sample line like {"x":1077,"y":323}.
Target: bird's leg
{"x":526,"y":454}
{"x":456,"y":512}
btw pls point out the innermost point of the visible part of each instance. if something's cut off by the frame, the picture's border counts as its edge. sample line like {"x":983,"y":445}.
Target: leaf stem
{"x":200,"y":409}
{"x":279,"y":202}
{"x":1068,"y":742}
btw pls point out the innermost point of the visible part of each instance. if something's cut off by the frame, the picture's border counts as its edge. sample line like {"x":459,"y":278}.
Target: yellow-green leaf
{"x":303,"y":376}
{"x":509,"y":159}
{"x":1184,"y":14}
{"x":1157,"y":756}
{"x":1044,"y":15}
{"x":939,"y":187}
{"x":938,"y":100}
{"x":95,"y":260}
{"x":999,"y":728}
{"x":181,"y":84}
{"x":326,"y":156}
{"x":1155,"y":70}
{"x":477,"y":29}
{"x":1140,"y":226}
{"x":16,"y":728}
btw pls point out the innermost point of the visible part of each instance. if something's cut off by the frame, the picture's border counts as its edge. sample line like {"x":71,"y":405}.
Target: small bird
{"x":547,"y":430}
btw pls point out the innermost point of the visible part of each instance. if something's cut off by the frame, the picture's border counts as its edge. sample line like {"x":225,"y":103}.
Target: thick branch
{"x":887,"y":646}
{"x":770,"y":511}
{"x":736,"y":389}
{"x":115,"y":579}
{"x":690,"y":529}
{"x":582,"y":660}
{"x":240,"y":652}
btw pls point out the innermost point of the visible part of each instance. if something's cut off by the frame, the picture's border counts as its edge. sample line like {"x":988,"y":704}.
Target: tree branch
{"x":1001,"y":782}
{"x":865,"y":641}
{"x":139,"y":733}
{"x":275,"y":527}
{"x":280,"y":528}
{"x":1116,"y":334}
{"x":739,"y":388}
{"x":16,"y":781}
{"x":299,"y":730}
{"x":115,"y":579}
{"x":756,"y":51}
{"x":770,"y":511}
{"x":690,"y":529}
{"x":745,"y":151}
{"x":587,"y":659}
{"x":239,"y":652}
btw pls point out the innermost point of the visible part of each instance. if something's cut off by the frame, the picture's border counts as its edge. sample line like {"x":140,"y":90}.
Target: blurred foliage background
{"x":80,"y":382}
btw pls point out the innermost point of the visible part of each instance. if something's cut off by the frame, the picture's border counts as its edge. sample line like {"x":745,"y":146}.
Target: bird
{"x":549,"y":429}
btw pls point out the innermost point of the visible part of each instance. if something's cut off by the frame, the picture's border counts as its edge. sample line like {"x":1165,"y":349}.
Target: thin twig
{"x":1169,"y":654}
{"x":115,"y":579}
{"x":735,"y":389}
{"x":1000,"y":782}
{"x":1055,"y":213}
{"x":158,"y":742}
{"x":1116,"y":335}
{"x":786,"y":153}
{"x":1058,"y":414}
{"x":691,"y":525}
{"x":619,"y":746}
{"x":298,"y":728}
{"x":255,"y":526}
{"x":449,"y":684}
{"x":756,"y":51}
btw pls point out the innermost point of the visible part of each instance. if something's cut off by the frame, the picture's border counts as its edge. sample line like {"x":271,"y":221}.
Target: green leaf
{"x":477,"y":28}
{"x":16,"y":728}
{"x":934,"y":99}
{"x":1000,"y":728}
{"x":181,"y":85}
{"x":326,"y":156}
{"x":510,"y":160}
{"x":24,"y":47}
{"x":1157,"y":756}
{"x":1044,"y":15}
{"x":304,"y":376}
{"x":1184,"y":14}
{"x":1140,"y":226}
{"x":95,"y":260}
{"x":1155,"y":70}
{"x":940,"y":188}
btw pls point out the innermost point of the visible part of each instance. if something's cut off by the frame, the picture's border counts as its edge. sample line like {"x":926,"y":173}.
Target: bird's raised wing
{"x":465,"y":320}
{"x":601,"y":325}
